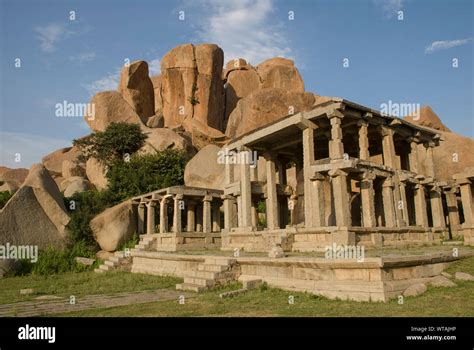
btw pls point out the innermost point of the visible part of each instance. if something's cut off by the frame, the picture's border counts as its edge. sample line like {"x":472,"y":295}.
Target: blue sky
{"x":408,"y":61}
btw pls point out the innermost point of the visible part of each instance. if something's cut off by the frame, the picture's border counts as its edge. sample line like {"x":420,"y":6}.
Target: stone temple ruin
{"x":359,"y":181}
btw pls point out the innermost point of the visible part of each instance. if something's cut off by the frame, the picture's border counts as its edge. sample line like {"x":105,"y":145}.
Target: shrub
{"x":83,"y":207}
{"x":118,"y":140}
{"x":4,"y":198}
{"x":146,"y":173}
{"x":53,"y":261}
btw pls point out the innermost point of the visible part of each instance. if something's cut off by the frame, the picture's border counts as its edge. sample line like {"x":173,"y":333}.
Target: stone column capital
{"x":388,"y":182}
{"x":335,"y":116}
{"x":463,"y":181}
{"x":362,"y":122}
{"x":152,"y":204}
{"x":387,"y":131}
{"x":207,"y":198}
{"x":336,"y":172}
{"x":178,"y":196}
{"x":318,"y":177}
{"x":368,"y":176}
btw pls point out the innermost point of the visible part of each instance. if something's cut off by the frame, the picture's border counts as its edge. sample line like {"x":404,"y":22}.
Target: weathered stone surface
{"x":9,"y":186}
{"x":240,"y":83}
{"x":203,"y":135}
{"x":54,"y":161}
{"x":114,"y":226}
{"x":210,"y":88}
{"x":415,"y":290}
{"x":156,"y":121}
{"x":276,"y":252}
{"x":203,"y":170}
{"x":3,"y":169}
{"x":428,"y":118}
{"x":156,"y":81}
{"x":103,"y":254}
{"x":280,"y":72}
{"x":110,"y":107}
{"x":96,"y":172}
{"x":441,"y":281}
{"x":136,"y":88}
{"x":463,"y":276}
{"x":14,"y":176}
{"x":74,"y":184}
{"x":84,"y":261}
{"x":265,"y":106}
{"x":235,"y":64}
{"x":72,"y":168}
{"x":191,"y":85}
{"x":36,"y":214}
{"x":8,"y":265}
{"x":162,"y":138}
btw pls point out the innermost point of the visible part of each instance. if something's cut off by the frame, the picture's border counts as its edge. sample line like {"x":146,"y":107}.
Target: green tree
{"x":113,"y":144}
{"x":146,"y":173}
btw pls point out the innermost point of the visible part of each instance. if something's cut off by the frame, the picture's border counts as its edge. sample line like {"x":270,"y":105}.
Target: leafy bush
{"x":131,"y":243}
{"x":82,"y":208}
{"x":118,"y":140}
{"x":146,"y":173}
{"x":4,"y":198}
{"x":52,"y":260}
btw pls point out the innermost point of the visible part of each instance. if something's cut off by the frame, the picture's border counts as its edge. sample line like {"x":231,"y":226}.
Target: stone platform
{"x":373,"y":279}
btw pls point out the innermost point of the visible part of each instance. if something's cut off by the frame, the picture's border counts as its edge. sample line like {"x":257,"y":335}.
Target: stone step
{"x":190,"y":287}
{"x":98,"y":271}
{"x":212,"y":268}
{"x":105,"y":267}
{"x":110,"y":263}
{"x":119,"y":254}
{"x":220,"y":261}
{"x":199,"y":281}
{"x":203,"y":274}
{"x":115,"y":259}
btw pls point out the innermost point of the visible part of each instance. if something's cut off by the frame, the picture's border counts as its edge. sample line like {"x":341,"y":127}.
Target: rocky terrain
{"x":197,"y":104}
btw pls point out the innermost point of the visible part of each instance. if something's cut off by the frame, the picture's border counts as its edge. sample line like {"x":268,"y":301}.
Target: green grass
{"x":79,"y":284}
{"x":437,"y":302}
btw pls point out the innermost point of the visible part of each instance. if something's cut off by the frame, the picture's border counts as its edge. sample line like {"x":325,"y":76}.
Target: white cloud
{"x":445,"y":44}
{"x":107,"y":83}
{"x":154,"y":66}
{"x":32,"y":148}
{"x":243,"y":28}
{"x":389,"y":8}
{"x":83,"y":57}
{"x":50,"y":35}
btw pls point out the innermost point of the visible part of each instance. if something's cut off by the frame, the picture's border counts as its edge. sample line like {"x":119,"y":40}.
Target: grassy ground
{"x":442,"y":302}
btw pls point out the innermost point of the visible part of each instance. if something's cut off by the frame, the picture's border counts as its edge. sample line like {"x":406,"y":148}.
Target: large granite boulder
{"x":280,"y":72}
{"x":114,"y":226}
{"x":160,"y":139}
{"x":111,"y":106}
{"x":156,"y":81}
{"x":36,"y":214}
{"x":265,"y":106}
{"x":72,"y":168}
{"x":13,"y":178}
{"x":191,"y":85}
{"x":427,"y":117}
{"x":96,"y":173}
{"x":204,"y":169}
{"x":137,"y":89}
{"x":73,"y":185}
{"x":54,"y":161}
{"x":454,"y":153}
{"x":241,"y":80}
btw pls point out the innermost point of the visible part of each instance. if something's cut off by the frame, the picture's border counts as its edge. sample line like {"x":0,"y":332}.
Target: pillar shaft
{"x":367,"y":195}
{"x":150,"y":220}
{"x":206,"y":214}
{"x":228,"y":204}
{"x":413,"y":157}
{"x":389,"y":156}
{"x":336,"y":147}
{"x":467,"y":205}
{"x":437,"y":208}
{"x":453,"y":211}
{"x":141,"y":218}
{"x":191,"y":221}
{"x":403,"y":202}
{"x":317,"y":201}
{"x":177,"y":226}
{"x":271,"y":200}
{"x":397,"y":198}
{"x":308,"y":158}
{"x":216,"y":218}
{"x":429,"y":164}
{"x":199,"y":223}
{"x":421,"y":216}
{"x":164,"y":216}
{"x":341,"y":197}
{"x":245,"y":191}
{"x":388,"y":203}
{"x":363,"y":141}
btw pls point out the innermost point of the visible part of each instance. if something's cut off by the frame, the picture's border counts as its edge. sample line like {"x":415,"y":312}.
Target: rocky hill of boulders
{"x":196,"y":104}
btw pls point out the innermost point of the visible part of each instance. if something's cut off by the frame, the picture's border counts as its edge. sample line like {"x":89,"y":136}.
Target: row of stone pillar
{"x":199,"y":218}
